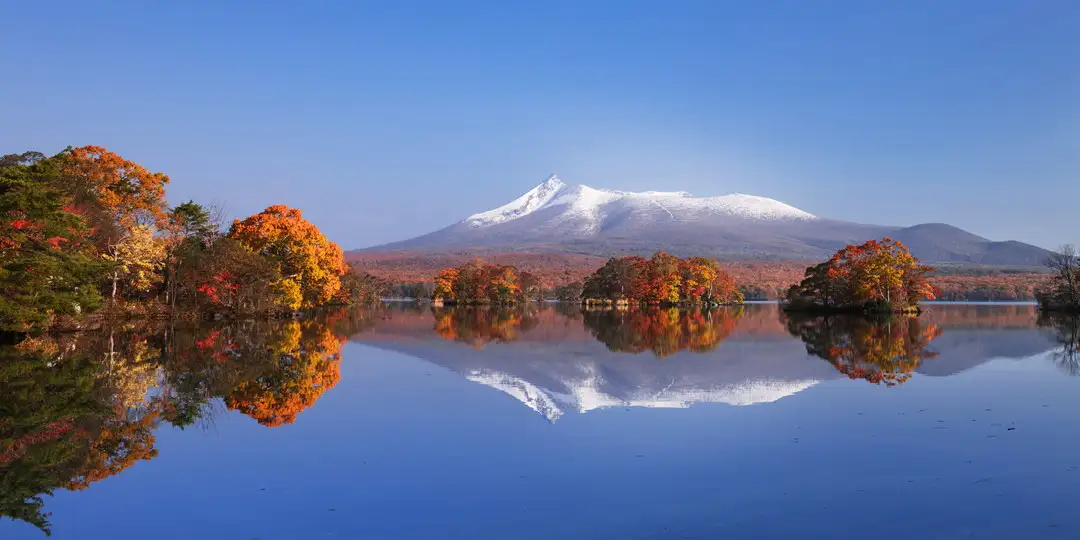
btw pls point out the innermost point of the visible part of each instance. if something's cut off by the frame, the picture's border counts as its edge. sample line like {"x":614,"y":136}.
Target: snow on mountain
{"x":533,"y":200}
{"x":590,"y":206}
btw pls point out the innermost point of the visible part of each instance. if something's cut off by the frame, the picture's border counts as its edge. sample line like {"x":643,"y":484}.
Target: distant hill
{"x":555,"y":217}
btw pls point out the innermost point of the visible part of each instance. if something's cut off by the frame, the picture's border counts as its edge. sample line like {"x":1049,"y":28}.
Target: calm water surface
{"x":404,"y":423}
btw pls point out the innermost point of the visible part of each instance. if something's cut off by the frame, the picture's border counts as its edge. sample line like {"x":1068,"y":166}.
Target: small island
{"x":1062,"y":294}
{"x":480,"y":283}
{"x":663,"y":280}
{"x":877,"y":277}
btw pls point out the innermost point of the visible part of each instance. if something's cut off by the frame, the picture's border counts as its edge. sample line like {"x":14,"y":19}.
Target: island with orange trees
{"x":662,"y":280}
{"x":879,"y":276}
{"x":480,"y":283}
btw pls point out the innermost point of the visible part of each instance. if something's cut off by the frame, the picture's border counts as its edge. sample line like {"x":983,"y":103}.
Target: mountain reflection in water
{"x":78,"y":408}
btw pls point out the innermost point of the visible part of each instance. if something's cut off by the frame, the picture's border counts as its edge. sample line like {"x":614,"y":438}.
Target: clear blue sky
{"x":384,"y":120}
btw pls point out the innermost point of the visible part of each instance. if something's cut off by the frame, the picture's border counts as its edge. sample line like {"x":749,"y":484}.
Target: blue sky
{"x":385,"y":120}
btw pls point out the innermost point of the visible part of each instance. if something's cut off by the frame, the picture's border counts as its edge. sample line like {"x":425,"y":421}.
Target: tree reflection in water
{"x":662,"y":331}
{"x":879,"y":350}
{"x":78,"y":408}
{"x":479,"y":325}
{"x":1067,"y":333}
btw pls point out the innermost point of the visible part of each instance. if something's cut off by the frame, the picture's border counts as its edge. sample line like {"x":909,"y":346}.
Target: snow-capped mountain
{"x":587,"y":208}
{"x":558,"y":217}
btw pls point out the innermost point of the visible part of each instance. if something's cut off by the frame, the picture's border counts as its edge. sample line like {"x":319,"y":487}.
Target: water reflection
{"x":1067,"y":334}
{"x":478,"y":326}
{"x":69,"y":418}
{"x":879,"y":350}
{"x":79,"y":408}
{"x":664,"y":332}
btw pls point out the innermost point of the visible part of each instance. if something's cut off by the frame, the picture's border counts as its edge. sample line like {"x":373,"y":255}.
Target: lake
{"x":404,"y":422}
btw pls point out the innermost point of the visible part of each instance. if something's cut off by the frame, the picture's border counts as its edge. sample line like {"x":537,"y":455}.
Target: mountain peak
{"x":552,"y":181}
{"x":588,"y":206}
{"x":532,"y":200}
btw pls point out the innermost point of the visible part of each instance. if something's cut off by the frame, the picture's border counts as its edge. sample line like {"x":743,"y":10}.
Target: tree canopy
{"x":479,"y":283}
{"x":661,"y":280}
{"x":310,"y":265}
{"x":879,"y":275}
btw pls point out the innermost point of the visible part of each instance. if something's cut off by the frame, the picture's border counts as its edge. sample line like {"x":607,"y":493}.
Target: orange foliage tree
{"x":478,"y":283}
{"x":310,"y":265}
{"x":127,"y":192}
{"x":874,"y":276}
{"x":661,"y":280}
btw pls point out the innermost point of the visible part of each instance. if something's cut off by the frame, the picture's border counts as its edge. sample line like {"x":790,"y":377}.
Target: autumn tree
{"x":114,"y":193}
{"x":879,"y":275}
{"x":703,"y":281}
{"x":661,"y":280}
{"x":227,"y":277}
{"x":47,"y":267}
{"x":618,"y":280}
{"x":137,"y":260}
{"x":191,"y":230}
{"x":445,"y":285}
{"x":478,"y":283}
{"x":310,"y":265}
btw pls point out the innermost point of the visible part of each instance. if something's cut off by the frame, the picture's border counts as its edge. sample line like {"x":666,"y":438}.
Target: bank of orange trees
{"x":478,"y":283}
{"x":88,"y":221}
{"x":877,"y":276}
{"x":661,"y":280}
